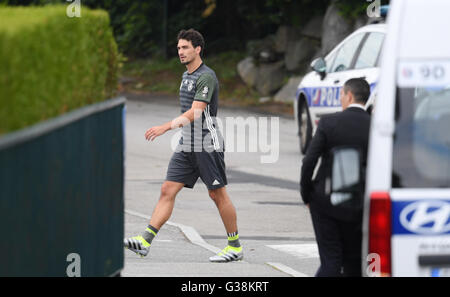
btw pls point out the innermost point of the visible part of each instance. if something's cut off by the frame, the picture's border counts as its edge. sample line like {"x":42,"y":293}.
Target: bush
{"x":51,"y":64}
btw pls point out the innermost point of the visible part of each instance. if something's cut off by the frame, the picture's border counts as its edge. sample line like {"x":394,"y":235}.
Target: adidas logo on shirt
{"x":215,"y":183}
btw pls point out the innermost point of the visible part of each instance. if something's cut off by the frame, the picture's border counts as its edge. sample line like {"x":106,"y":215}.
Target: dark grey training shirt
{"x":201,"y":85}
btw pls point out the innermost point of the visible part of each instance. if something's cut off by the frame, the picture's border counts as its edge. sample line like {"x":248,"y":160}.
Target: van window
{"x":370,"y":51}
{"x":421,"y":152}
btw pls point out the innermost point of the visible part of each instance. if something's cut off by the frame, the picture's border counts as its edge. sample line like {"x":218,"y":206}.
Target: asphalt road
{"x":274,"y":226}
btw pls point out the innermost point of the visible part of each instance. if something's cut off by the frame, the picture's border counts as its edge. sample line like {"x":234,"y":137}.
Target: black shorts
{"x":187,"y":167}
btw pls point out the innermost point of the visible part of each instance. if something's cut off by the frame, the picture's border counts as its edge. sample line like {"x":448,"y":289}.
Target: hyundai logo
{"x":426,"y":217}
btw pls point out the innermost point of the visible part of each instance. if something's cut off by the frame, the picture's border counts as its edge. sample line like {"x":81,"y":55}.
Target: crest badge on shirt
{"x":205,"y":91}
{"x":189,"y":84}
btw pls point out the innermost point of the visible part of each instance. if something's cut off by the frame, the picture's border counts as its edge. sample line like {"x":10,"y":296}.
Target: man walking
{"x":199,"y":153}
{"x":338,"y":231}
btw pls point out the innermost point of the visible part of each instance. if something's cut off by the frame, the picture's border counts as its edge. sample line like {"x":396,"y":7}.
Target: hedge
{"x":51,"y":64}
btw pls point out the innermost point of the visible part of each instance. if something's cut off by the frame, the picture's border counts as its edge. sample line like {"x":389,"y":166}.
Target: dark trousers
{"x":339,"y":244}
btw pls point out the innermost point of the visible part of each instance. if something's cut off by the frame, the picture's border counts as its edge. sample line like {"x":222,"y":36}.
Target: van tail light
{"x":380,"y":230}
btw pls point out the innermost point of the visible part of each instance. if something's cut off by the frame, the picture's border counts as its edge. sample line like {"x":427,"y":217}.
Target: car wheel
{"x":305,"y":128}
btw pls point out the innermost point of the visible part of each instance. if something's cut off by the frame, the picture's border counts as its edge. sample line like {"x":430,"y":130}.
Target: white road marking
{"x":190,"y":233}
{"x":302,"y":251}
{"x":193,"y":236}
{"x":286,"y":269}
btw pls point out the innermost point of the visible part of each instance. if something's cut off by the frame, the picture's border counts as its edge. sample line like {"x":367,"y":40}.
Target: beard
{"x":186,"y":62}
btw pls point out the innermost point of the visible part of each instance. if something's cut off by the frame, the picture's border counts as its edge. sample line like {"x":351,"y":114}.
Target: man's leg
{"x":352,"y":238}
{"x":329,"y":244}
{"x":233,"y":251}
{"x":164,"y":207}
{"x":225,"y":207}
{"x":141,"y":244}
{"x":211,"y":167}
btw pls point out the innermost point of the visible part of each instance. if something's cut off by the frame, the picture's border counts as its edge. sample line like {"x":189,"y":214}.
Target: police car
{"x":406,"y":217}
{"x":357,"y":55}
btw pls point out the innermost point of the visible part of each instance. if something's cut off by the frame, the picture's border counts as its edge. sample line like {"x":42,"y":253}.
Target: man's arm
{"x":204,"y":89}
{"x":315,"y":150}
{"x":185,"y":119}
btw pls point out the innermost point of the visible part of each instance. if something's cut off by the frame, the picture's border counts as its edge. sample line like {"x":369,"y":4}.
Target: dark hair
{"x":359,"y":88}
{"x":194,"y":37}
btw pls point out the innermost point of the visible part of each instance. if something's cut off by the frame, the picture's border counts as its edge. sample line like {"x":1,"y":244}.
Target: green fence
{"x":62,"y":192}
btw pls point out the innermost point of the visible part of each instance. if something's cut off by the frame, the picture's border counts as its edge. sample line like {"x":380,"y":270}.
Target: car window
{"x":329,"y":62}
{"x":370,"y":50}
{"x":346,"y":53}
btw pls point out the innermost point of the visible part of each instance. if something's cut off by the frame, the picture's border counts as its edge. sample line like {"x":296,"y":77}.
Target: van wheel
{"x":304,"y":126}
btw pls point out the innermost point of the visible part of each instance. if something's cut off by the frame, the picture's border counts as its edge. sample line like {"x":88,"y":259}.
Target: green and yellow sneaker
{"x":228,"y":254}
{"x":137,"y":244}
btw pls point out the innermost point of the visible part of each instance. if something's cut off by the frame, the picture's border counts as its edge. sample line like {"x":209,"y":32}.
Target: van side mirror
{"x":320,"y":66}
{"x":346,"y":177}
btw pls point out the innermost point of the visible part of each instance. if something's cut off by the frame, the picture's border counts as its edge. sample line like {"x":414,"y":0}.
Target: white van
{"x":406,"y":221}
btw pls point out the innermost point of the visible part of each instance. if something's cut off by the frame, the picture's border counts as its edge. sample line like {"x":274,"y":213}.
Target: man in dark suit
{"x":338,"y":230}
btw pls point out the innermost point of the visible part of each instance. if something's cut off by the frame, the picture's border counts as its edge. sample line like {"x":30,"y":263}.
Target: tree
{"x":140,"y":30}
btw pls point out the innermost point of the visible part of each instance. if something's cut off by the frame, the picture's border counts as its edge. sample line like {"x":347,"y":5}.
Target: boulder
{"x":270,"y":78}
{"x":288,"y":91}
{"x":263,"y":50}
{"x":268,"y":56}
{"x":248,"y":71}
{"x":300,"y":53}
{"x":284,"y":35}
{"x":313,"y":29}
{"x":334,"y":28}
{"x":266,"y":78}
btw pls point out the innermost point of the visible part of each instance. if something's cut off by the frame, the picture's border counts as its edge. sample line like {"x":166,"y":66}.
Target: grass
{"x":162,"y":76}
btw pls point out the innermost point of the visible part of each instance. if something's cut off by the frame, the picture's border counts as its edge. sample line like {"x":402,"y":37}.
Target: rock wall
{"x":286,"y":55}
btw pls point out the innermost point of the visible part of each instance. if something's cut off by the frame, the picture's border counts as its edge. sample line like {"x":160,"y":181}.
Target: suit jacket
{"x":347,"y":128}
